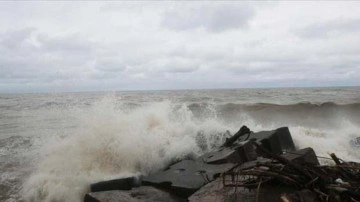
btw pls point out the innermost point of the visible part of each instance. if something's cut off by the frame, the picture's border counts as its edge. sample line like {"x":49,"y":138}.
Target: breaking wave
{"x":115,"y":139}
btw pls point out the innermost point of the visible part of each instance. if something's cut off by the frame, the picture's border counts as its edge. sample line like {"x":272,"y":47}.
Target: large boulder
{"x":187,"y":176}
{"x":116,"y":184}
{"x":237,"y":153}
{"x":304,"y":156}
{"x":275,"y":141}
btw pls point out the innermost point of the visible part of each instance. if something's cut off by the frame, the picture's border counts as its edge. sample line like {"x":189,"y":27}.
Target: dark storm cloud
{"x":212,"y":17}
{"x":334,"y":27}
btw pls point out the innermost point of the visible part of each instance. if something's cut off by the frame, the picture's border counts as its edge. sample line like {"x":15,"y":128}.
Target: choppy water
{"x":52,"y":146}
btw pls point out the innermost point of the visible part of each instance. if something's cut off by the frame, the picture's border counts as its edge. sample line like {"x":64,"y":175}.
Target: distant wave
{"x":297,"y":107}
{"x":313,"y":114}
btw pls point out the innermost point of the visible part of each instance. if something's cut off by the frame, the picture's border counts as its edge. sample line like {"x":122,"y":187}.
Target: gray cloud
{"x":30,"y":56}
{"x":174,"y":64}
{"x":212,"y":17}
{"x":96,"y":46}
{"x":330,"y":28}
{"x":15,"y":39}
{"x":110,"y":65}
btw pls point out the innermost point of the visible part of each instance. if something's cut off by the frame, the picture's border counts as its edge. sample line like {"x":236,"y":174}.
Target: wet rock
{"x":274,"y":141}
{"x":139,"y":194}
{"x":302,"y":156}
{"x":117,"y":184}
{"x":238,"y":153}
{"x":187,"y":176}
{"x":243,"y":131}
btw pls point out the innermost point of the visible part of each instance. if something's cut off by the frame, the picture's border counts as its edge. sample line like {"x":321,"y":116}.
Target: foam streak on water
{"x":54,"y":146}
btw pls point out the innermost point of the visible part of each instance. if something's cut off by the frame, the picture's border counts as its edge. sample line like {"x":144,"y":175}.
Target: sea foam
{"x":113,"y":141}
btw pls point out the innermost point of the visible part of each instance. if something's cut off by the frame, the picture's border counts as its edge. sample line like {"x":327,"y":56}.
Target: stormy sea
{"x":52,"y":146}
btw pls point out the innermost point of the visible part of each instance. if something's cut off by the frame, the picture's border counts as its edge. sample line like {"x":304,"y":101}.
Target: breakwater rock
{"x":249,"y":166}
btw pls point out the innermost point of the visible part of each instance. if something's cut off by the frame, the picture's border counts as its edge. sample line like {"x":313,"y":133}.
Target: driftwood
{"x":340,"y":182}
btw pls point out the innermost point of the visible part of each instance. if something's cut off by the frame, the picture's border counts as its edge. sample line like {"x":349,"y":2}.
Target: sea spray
{"x":111,"y":142}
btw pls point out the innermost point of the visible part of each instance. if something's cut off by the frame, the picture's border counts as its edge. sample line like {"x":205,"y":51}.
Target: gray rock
{"x":274,"y":141}
{"x":243,"y":131}
{"x":302,"y":156}
{"x":187,"y":176}
{"x":238,"y":153}
{"x":117,"y":184}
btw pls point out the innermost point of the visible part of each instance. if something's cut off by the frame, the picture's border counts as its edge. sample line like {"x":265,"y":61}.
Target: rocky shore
{"x":249,"y":166}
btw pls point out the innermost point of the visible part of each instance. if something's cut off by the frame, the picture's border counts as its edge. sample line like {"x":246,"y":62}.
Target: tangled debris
{"x":310,"y":181}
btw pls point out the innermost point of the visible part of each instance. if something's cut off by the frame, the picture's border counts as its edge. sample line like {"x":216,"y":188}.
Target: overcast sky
{"x":81,"y":46}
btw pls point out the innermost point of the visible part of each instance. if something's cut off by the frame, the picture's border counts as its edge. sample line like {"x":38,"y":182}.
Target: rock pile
{"x":262,"y":166}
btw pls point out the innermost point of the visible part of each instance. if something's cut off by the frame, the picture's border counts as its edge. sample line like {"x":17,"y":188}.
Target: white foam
{"x":327,"y":141}
{"x":112,"y":142}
